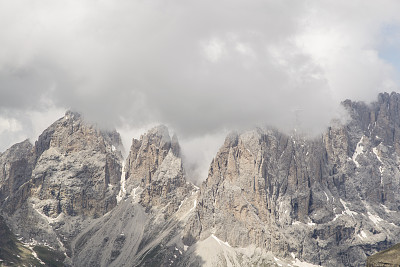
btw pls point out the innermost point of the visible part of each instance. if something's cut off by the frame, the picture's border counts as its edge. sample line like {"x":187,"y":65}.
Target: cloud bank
{"x":201,"y":67}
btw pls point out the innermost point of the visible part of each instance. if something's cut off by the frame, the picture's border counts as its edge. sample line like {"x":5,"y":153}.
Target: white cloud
{"x":9,"y":124}
{"x":214,"y":49}
{"x":199,"y":66}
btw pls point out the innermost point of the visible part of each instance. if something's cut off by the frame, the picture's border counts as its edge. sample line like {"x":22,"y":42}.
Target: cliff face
{"x":329,"y":201}
{"x":269,"y":199}
{"x":77,"y":170}
{"x":16,"y":166}
{"x":71,"y":174}
{"x":70,"y":192}
{"x":155,"y":165}
{"x":155,"y":199}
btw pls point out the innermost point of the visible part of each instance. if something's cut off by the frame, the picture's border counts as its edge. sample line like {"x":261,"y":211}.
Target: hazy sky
{"x":201,"y":67}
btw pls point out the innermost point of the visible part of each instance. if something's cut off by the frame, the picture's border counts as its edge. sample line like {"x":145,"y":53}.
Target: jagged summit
{"x":160,"y":131}
{"x":154,"y":201}
{"x":330,"y":201}
{"x":72,"y":115}
{"x":270,"y":198}
{"x":54,"y":188}
{"x":72,"y":133}
{"x":154,"y":163}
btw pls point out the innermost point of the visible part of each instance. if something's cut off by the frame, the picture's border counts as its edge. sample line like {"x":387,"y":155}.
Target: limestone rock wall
{"x":154,"y":164}
{"x":331,"y":201}
{"x":51,"y":190}
{"x":16,"y":166}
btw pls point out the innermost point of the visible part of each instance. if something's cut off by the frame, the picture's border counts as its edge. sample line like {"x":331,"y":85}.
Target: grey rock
{"x":269,"y":199}
{"x":69,"y":177}
{"x":16,"y":166}
{"x":145,"y":228}
{"x":329,"y":201}
{"x":155,"y":165}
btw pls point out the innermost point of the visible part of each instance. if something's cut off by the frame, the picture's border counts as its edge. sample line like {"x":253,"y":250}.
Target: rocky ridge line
{"x":330,"y":201}
{"x":70,"y":176}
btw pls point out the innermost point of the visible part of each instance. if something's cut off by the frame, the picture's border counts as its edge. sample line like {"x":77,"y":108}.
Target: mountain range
{"x":269,"y":199}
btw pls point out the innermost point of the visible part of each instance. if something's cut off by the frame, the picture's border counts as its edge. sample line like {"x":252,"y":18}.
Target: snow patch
{"x":194,"y":205}
{"x":135,"y":195}
{"x":220,"y":241}
{"x":277,"y":261}
{"x":374,"y":218}
{"x":310,"y":223}
{"x":381,"y":168}
{"x":359,"y":151}
{"x":362,"y":235}
{"x":34,"y":254}
{"x":375,"y":150}
{"x":346,"y":209}
{"x":196,"y":187}
{"x":337,"y":216}
{"x":36,"y":257}
{"x":327,"y":198}
{"x":122,"y":190}
{"x":180,"y":205}
{"x":177,"y":249}
{"x":386,"y":209}
{"x":300,"y":263}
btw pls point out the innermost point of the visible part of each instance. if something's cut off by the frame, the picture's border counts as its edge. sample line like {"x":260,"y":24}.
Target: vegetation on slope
{"x":385,"y":258}
{"x":15,"y":253}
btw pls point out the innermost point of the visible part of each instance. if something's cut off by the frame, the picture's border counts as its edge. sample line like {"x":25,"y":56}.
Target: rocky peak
{"x":70,"y":140}
{"x":72,"y":134}
{"x":379,"y":121}
{"x":147,"y":154}
{"x":337,"y":193}
{"x":71,"y":176}
{"x":330,"y":201}
{"x":154,"y":164}
{"x":72,"y":115}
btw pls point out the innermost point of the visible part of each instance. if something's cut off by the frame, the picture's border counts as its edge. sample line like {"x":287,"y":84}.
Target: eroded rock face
{"x":154,"y":164}
{"x":145,"y":228}
{"x":69,"y":177}
{"x":77,"y":170}
{"x":68,"y":191}
{"x":330,"y":201}
{"x":16,"y":166}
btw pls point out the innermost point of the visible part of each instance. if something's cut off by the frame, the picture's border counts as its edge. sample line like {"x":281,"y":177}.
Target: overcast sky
{"x":201,"y":67}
